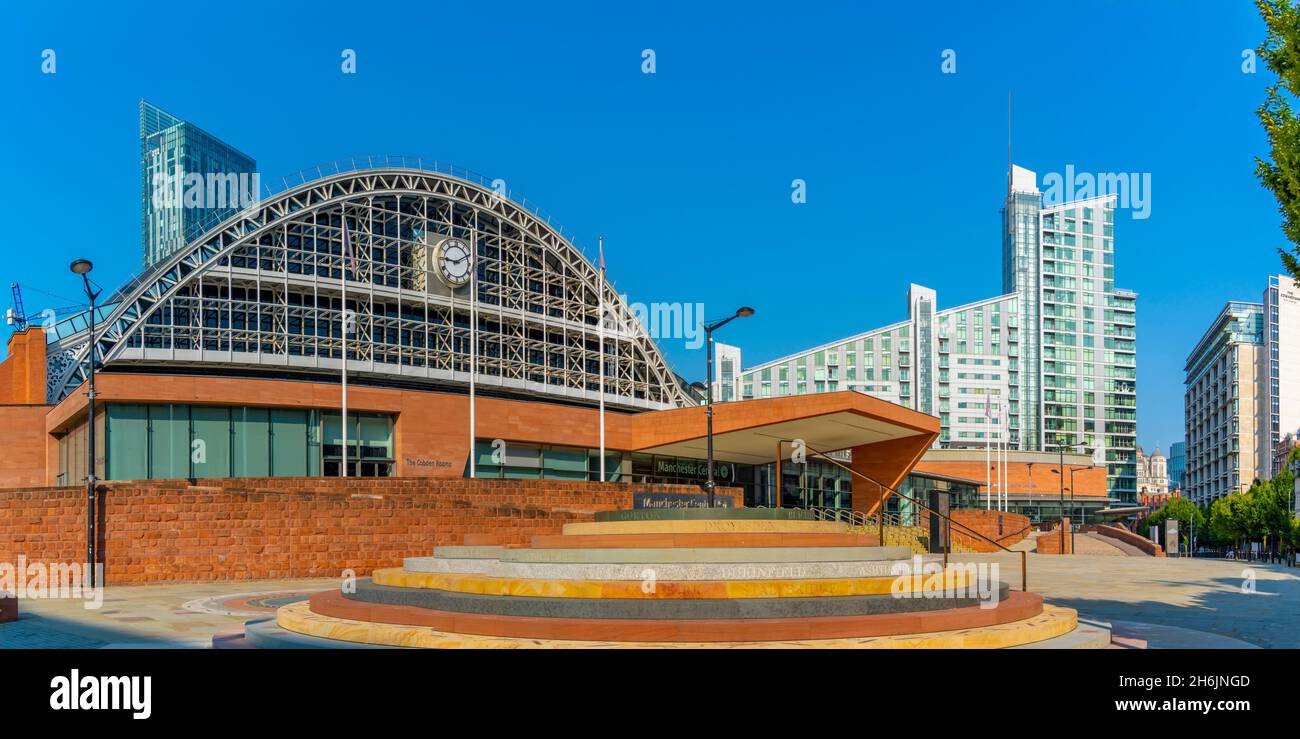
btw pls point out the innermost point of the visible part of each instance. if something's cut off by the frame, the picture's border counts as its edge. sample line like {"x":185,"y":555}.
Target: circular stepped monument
{"x":712,"y":578}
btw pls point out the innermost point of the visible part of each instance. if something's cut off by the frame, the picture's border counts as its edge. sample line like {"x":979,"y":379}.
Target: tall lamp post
{"x":709,"y":328}
{"x":82,"y":267}
{"x":1073,"y":470}
{"x":1060,"y":471}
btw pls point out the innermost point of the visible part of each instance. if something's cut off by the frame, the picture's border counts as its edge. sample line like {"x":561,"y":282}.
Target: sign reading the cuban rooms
{"x":677,"y":500}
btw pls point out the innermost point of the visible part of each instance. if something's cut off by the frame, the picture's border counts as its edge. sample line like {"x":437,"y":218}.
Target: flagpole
{"x":473,"y":355}
{"x":988,"y":456}
{"x":346,"y":251}
{"x":600,"y":325}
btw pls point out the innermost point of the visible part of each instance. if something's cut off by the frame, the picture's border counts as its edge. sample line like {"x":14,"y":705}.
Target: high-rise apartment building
{"x":189,"y":181}
{"x":1051,"y":362}
{"x":1220,"y":404}
{"x":1242,"y":398}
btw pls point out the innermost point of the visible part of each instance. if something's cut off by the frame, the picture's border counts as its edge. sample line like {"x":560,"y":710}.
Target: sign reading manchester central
{"x":677,"y":500}
{"x":694,"y":468}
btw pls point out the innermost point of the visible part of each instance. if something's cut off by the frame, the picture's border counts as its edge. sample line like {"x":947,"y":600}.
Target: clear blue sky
{"x":687,"y":172}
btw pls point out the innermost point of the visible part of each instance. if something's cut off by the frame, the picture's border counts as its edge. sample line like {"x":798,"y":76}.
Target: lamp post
{"x":709,"y":328}
{"x":1073,"y":470}
{"x":82,"y":267}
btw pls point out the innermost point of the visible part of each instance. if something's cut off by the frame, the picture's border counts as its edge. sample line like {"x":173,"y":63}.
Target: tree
{"x":1186,"y":513}
{"x":1281,"y":172}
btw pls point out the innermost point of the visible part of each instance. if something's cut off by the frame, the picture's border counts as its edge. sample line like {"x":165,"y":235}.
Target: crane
{"x":18,"y":318}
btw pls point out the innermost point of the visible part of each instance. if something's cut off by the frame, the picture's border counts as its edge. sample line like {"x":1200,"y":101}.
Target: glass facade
{"x":511,"y":460}
{"x":171,"y":441}
{"x":171,"y":150}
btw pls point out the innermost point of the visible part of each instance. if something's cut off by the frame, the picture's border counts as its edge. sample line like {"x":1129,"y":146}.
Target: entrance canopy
{"x":748,"y":431}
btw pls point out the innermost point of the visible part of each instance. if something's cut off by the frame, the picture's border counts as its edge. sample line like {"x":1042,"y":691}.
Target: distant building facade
{"x":1153,"y":473}
{"x":1177,"y":463}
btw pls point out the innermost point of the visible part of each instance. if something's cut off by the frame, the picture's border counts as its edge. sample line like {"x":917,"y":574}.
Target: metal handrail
{"x":1024,"y":579}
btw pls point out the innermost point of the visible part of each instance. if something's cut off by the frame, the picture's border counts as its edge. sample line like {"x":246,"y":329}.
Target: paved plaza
{"x":1203,"y":595}
{"x":1185,"y":597}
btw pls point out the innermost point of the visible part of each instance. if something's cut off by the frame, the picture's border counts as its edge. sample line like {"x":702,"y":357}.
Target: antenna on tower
{"x":1009,"y":164}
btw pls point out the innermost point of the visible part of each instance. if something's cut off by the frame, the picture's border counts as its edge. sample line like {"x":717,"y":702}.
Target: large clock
{"x":454,"y":262}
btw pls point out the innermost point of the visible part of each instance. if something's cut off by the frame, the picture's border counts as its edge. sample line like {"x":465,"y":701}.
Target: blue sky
{"x":687,"y":172}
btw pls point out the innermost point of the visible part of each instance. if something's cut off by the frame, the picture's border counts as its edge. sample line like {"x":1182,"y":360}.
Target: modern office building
{"x":1049,"y":363}
{"x":1177,"y":463}
{"x":190,"y":181}
{"x":1220,"y":404}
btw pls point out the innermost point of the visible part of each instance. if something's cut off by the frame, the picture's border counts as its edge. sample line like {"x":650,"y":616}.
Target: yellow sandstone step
{"x":809,"y":588}
{"x":1054,"y":621}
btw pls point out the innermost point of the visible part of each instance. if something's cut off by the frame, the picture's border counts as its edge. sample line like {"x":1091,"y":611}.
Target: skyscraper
{"x":189,"y":181}
{"x":1050,"y":362}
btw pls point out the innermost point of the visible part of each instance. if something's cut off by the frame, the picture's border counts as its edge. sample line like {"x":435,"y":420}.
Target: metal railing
{"x":879,"y":518}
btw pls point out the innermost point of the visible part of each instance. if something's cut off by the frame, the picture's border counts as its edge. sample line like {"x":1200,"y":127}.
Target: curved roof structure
{"x":263,"y":291}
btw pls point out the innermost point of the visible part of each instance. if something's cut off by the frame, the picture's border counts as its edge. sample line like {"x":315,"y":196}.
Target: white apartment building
{"x":1049,"y":362}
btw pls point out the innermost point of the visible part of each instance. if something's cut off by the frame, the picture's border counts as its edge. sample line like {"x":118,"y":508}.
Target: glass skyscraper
{"x":1051,"y":362}
{"x":189,"y":181}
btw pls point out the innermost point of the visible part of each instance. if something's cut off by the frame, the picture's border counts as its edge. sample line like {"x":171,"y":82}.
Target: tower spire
{"x":1009,"y":162}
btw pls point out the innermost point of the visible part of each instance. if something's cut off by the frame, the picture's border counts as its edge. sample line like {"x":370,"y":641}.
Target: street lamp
{"x":1060,"y":471}
{"x":83,"y":267}
{"x":709,"y":328}
{"x":1073,"y":470}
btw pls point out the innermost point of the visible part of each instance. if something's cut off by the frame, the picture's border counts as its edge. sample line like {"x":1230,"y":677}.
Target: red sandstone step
{"x":701,"y":541}
{"x":1016,"y":607}
{"x":8,"y":609}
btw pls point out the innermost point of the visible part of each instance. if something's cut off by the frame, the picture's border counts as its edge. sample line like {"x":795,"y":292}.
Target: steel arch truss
{"x":264,"y":289}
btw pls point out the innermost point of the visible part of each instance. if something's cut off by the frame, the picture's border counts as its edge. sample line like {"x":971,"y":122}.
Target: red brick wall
{"x":22,"y":373}
{"x":1128,"y":537}
{"x":1015,"y":527}
{"x":1052,"y":542}
{"x":23,"y":451}
{"x":246,"y":529}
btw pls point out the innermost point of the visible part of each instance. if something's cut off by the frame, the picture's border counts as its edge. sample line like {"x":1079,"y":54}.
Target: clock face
{"x":455,"y":261}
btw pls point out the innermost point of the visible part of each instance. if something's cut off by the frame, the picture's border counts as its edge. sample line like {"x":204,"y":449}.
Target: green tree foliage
{"x":1185,"y":511}
{"x":1281,"y":172}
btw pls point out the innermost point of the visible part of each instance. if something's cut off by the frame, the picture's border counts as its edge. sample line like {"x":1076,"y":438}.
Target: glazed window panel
{"x":251,"y":442}
{"x":169,"y":441}
{"x":127,"y":442}
{"x":289,"y":450}
{"x":211,"y":451}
